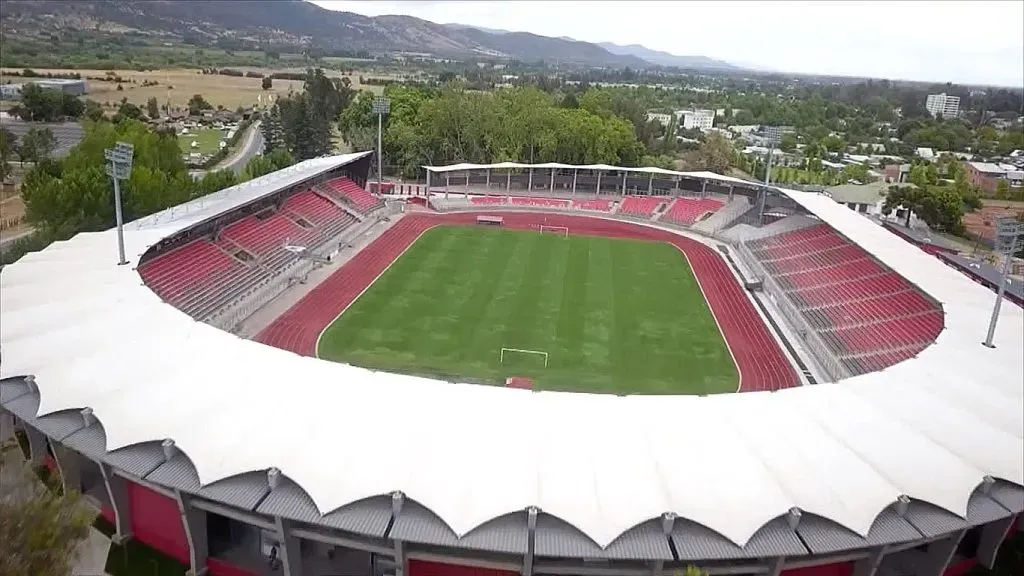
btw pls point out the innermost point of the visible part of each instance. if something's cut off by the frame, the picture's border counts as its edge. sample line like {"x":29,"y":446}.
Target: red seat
{"x":182,"y":271}
{"x":870,"y":316}
{"x":362,"y":200}
{"x":641,"y":206}
{"x":687,"y":211}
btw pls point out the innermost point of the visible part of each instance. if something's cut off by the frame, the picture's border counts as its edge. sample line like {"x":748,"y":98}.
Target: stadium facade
{"x":214,"y":449}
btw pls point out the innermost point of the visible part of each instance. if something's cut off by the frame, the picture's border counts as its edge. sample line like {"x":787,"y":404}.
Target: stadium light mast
{"x":381,"y":106}
{"x":1009,"y":239}
{"x":773,"y":137}
{"x":119,"y":167}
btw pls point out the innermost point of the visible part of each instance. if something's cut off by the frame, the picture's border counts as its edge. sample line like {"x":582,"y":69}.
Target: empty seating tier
{"x":687,"y":211}
{"x":348,"y":190}
{"x":488,"y":200}
{"x":595,"y":205}
{"x":315,"y":209}
{"x":199,"y":278}
{"x":640,"y":206}
{"x":264,"y":237}
{"x":869,"y":316}
{"x":539,"y":202}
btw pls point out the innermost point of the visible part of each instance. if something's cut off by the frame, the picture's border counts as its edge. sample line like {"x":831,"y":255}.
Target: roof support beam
{"x":992,"y":536}
{"x":233,"y":513}
{"x":940,"y":553}
{"x":291,"y":556}
{"x":351,"y":543}
{"x":868,"y":566}
{"x":193,"y":520}
{"x":401,"y":560}
{"x":37,"y":443}
{"x":776,"y":566}
{"x":69,"y":464}
{"x":531,"y":540}
{"x":117,"y":492}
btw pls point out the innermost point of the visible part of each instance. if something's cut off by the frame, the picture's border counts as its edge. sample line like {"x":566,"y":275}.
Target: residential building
{"x":897,"y":173}
{"x":700,"y":119}
{"x":743,"y":130}
{"x":925,"y":153}
{"x":942,"y":105}
{"x":865,"y":199}
{"x":660,"y":118}
{"x":987,"y":175}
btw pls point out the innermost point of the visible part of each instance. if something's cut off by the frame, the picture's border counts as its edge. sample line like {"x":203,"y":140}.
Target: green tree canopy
{"x":40,"y":529}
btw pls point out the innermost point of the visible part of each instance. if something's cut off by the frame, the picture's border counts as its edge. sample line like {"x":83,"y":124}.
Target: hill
{"x":660,"y":58}
{"x":257,"y":24}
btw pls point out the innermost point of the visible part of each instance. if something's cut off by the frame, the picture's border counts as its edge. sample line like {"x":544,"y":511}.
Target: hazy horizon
{"x":894,"y":40}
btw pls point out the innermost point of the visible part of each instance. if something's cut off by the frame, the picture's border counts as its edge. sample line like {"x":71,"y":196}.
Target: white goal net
{"x":519,"y":351}
{"x":560,"y":230}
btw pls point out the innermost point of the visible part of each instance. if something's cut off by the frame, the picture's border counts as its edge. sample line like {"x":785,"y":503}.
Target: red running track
{"x":761,"y":363}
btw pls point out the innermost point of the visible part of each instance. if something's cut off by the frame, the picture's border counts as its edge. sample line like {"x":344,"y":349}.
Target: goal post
{"x":561,"y":230}
{"x":541,"y":353}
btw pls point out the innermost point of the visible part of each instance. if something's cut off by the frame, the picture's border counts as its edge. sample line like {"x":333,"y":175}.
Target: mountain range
{"x":257,"y":23}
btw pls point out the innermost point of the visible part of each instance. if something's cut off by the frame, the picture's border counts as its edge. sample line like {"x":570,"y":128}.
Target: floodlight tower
{"x":1009,"y":239}
{"x":773,"y":137}
{"x":381,"y":106}
{"x":119,"y":167}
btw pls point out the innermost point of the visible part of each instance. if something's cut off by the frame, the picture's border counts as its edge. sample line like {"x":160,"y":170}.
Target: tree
{"x":40,"y":529}
{"x":127,"y":111}
{"x":715,"y":154}
{"x":152,"y":108}
{"x":196,"y":105}
{"x":787,"y":143}
{"x":909,"y":198}
{"x":1002,"y":189}
{"x":93,"y":111}
{"x":273,"y":132}
{"x":268,"y":82}
{"x":36,"y":144}
{"x":8,"y":145}
{"x":76,"y":195}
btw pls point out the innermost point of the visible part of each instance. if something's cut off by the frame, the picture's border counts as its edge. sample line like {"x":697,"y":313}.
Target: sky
{"x":979,"y":42}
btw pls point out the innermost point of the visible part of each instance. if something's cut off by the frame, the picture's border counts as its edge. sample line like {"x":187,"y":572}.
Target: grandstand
{"x":229,"y":263}
{"x":213,"y":449}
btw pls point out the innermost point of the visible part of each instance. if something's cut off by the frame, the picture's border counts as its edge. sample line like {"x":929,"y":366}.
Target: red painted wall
{"x":961,"y":568}
{"x":423,"y":568}
{"x":157,"y":522}
{"x":840,"y":569}
{"x":222,"y":568}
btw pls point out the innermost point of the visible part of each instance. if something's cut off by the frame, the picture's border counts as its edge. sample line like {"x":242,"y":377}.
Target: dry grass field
{"x":180,"y":84}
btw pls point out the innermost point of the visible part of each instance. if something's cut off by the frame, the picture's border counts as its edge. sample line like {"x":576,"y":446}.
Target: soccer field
{"x":614,"y":316}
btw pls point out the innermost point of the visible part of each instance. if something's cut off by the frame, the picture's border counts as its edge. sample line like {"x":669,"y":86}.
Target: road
{"x":252,"y":146}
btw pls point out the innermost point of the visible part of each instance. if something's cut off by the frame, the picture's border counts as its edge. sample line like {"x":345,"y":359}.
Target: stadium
{"x":741,"y":379}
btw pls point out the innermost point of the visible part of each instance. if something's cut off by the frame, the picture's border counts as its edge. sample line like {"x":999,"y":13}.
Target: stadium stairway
{"x":721,"y":219}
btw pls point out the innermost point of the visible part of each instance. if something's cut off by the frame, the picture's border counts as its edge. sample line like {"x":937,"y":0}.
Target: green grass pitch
{"x":614,"y":316}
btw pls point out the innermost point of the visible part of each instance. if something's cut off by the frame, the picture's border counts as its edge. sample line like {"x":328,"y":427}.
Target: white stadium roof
{"x":703,"y":175}
{"x":932,"y":428}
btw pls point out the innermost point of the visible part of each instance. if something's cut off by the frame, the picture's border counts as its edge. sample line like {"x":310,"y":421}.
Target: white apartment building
{"x":700,"y":119}
{"x":941,"y":105}
{"x":660,"y":118}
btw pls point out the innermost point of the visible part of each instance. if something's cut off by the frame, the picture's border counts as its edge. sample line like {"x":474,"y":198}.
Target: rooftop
{"x":858,"y":193}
